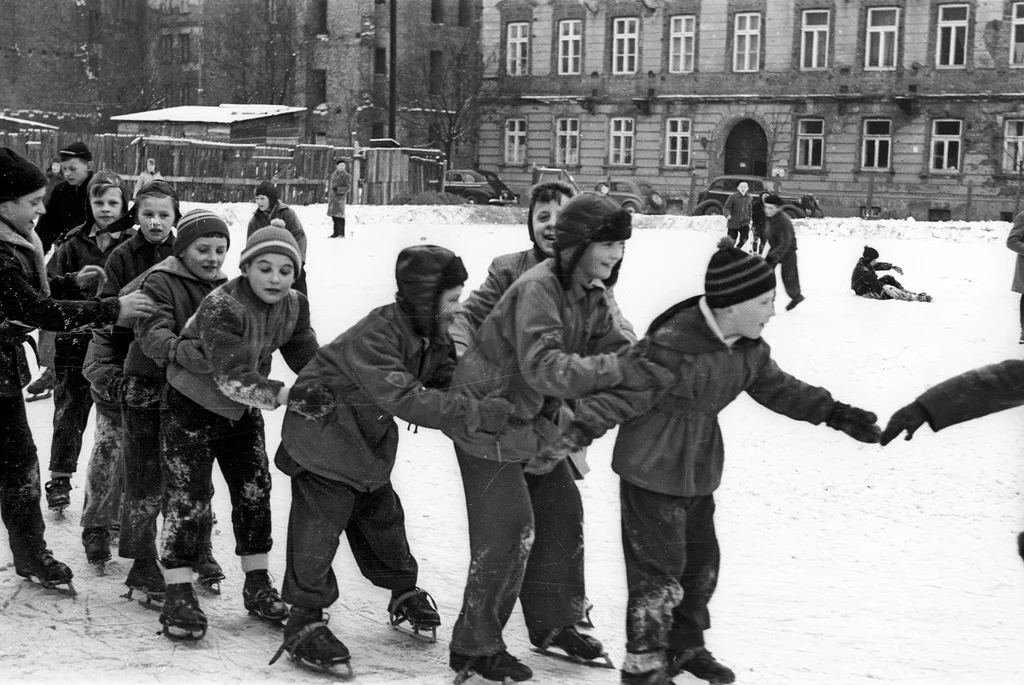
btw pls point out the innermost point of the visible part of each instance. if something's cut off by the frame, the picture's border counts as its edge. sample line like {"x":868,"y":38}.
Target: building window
{"x":1017,"y":35}
{"x":436,"y":72}
{"x":1013,"y":147}
{"x":166,"y":47}
{"x":380,"y":61}
{"x":271,"y":11}
{"x":677,"y":142}
{"x":814,"y":40}
{"x":570,"y":46}
{"x":318,"y":85}
{"x":951,"y":41}
{"x":625,"y":41}
{"x":621,"y":144}
{"x":882,"y":38}
{"x":946,"y":144}
{"x":877,"y":144}
{"x":185,"y":48}
{"x":518,"y":49}
{"x":436,"y":11}
{"x":810,"y":144}
{"x":515,"y":141}
{"x":746,"y":42}
{"x":682,"y":40}
{"x":465,"y":12}
{"x":567,"y":142}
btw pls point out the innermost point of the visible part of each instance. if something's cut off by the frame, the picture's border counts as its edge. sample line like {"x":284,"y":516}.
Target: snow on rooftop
{"x":223,"y":114}
{"x":27,"y":122}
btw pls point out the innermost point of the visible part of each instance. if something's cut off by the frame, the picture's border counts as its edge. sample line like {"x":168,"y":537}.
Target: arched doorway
{"x":746,"y":149}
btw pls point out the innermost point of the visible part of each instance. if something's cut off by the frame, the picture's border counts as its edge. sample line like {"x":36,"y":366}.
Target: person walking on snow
{"x":1015,"y":242}
{"x":865,"y":281}
{"x":213,"y":414}
{"x":669,"y":455}
{"x":782,"y":240}
{"x":339,"y":451}
{"x":737,"y":214}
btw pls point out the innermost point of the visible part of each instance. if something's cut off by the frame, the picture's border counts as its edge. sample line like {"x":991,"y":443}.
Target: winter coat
{"x":131,"y":258}
{"x":737,"y":210}
{"x":378,"y":370}
{"x":68,"y":207}
{"x":864,"y":281}
{"x":1015,"y":241}
{"x":280,"y":210}
{"x":502,"y":273}
{"x":975,"y":393}
{"x":338,"y":188}
{"x":104,"y":368}
{"x":778,"y":231}
{"x":145,"y":178}
{"x":539,"y":347}
{"x":26,"y":303}
{"x":671,"y":442}
{"x":237,"y":333}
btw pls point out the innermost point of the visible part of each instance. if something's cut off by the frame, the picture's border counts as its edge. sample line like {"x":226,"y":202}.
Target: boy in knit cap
{"x":214,"y":415}
{"x":865,"y":281}
{"x":269,"y":209}
{"x":26,"y":303}
{"x":177,"y":283}
{"x":670,"y":458}
{"x":395,"y":363}
{"x":779,"y":234}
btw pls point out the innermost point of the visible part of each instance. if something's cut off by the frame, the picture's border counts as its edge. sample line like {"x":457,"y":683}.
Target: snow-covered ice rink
{"x":842,"y":563}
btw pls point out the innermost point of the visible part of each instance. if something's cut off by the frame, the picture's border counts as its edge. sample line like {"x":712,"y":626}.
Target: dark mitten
{"x":490,"y":415}
{"x":909,"y":418}
{"x":580,"y":434}
{"x":314,"y":401}
{"x":858,"y":423}
{"x":573,"y":439}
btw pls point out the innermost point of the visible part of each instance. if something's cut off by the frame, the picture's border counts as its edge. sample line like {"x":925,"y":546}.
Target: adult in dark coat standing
{"x":780,"y":235}
{"x":1015,"y":241}
{"x":337,"y":188}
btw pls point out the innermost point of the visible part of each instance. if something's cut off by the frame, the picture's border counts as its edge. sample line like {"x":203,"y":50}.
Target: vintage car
{"x":712,"y":199}
{"x":479,"y":187}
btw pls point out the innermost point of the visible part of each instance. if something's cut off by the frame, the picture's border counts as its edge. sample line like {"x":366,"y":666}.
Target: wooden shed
{"x":253,"y":124}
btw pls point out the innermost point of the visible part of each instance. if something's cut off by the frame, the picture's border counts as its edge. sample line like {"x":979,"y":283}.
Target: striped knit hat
{"x":272,"y":240}
{"x":196,"y":224}
{"x":736,"y":276}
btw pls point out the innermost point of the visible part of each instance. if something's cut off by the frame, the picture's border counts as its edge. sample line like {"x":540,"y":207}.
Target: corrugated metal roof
{"x":224,"y":114}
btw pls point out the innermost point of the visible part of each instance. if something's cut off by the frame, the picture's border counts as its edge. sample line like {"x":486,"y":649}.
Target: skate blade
{"x":68,"y":591}
{"x":100,"y":566}
{"x":464,"y":675}
{"x":602,"y":661}
{"x":276,"y":622}
{"x":327,"y":669}
{"x":185,"y":634}
{"x":40,"y":396}
{"x":415,"y":633}
{"x":212,"y":584}
{"x":151,"y":602}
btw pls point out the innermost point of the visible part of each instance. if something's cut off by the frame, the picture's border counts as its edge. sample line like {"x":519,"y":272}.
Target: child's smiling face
{"x":205,"y":256}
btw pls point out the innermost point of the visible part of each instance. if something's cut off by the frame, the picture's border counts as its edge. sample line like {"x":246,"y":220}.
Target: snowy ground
{"x":843,"y":563}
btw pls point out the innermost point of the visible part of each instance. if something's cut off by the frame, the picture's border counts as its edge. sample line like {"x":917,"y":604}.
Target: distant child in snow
{"x":780,"y":236}
{"x":268,"y":208}
{"x":865,"y":281}
{"x":340,"y":448}
{"x":214,"y":416}
{"x":757,"y":222}
{"x":737,"y":214}
{"x":964,"y":397}
{"x":1015,"y":241}
{"x":669,"y":455}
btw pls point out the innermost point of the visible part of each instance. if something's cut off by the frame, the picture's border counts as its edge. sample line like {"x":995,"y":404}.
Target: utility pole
{"x":393,"y":68}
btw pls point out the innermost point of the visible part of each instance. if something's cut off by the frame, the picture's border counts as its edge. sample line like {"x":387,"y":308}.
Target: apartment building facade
{"x":879,"y":107}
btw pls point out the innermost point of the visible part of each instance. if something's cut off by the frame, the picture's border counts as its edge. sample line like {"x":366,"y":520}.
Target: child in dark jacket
{"x":669,"y":456}
{"x":26,"y":303}
{"x":865,"y":281}
{"x":87,"y":245}
{"x":268,"y":208}
{"x":964,"y":397}
{"x":212,"y":414}
{"x":779,"y":234}
{"x":340,"y":450}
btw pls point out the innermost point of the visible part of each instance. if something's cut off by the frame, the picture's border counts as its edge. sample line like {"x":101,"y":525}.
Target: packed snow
{"x":842,"y":563}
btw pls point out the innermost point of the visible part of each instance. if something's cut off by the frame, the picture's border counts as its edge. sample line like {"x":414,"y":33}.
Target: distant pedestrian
{"x":54,"y":175}
{"x":782,"y":238}
{"x":737,"y":214}
{"x":757,"y":223}
{"x":1015,"y":241}
{"x":338,"y":188}
{"x":148,"y":176}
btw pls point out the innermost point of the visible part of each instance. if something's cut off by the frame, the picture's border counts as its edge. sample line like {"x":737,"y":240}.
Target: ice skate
{"x":58,"y":494}
{"x":417,"y":608}
{"x":97,"y":547}
{"x":310,"y":643}
{"x":145,"y":576}
{"x":48,"y":572}
{"x":41,"y":388}
{"x":181,"y":616}
{"x":262,"y":600}
{"x":699,"y":662}
{"x":208,"y":571}
{"x":501,"y":667}
{"x":575,"y":647}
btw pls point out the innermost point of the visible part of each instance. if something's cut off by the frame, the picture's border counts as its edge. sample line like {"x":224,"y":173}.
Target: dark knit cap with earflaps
{"x":423,"y":272}
{"x":585,"y":219}
{"x":870,"y":253}
{"x":18,"y":176}
{"x":735,"y":276}
{"x":270,"y":190}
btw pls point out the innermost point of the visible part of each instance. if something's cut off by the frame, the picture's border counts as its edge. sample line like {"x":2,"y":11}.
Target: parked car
{"x":479,"y":187}
{"x":712,"y":199}
{"x":635,"y":196}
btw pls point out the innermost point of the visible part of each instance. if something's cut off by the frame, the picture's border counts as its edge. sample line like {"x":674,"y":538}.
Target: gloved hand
{"x":858,"y":423}
{"x":897,"y":269}
{"x":574,"y":438}
{"x":489,"y":415}
{"x":313,"y":401}
{"x":115,"y":388}
{"x":639,"y":373}
{"x":909,"y":418}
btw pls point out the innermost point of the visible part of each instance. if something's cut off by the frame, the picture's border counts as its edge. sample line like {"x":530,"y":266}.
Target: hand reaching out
{"x":91,"y":275}
{"x":908,"y":418}
{"x":133,"y":306}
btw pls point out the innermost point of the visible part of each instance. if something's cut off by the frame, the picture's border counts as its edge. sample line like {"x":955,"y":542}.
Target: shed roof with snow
{"x":260,"y":124}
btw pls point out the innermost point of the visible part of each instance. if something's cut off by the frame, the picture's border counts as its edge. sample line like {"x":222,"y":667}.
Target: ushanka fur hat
{"x":18,"y":176}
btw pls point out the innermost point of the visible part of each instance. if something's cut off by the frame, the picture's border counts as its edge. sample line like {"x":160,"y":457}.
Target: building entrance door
{"x":746,"y":149}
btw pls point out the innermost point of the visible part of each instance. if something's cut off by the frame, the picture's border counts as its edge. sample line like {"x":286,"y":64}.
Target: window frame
{"x":886,"y":30}
{"x":570,"y":48}
{"x":621,"y":142}
{"x":814,"y":31}
{"x":807,"y":143}
{"x":1017,"y":139}
{"x":684,"y":156}
{"x":876,"y":139}
{"x":746,"y":34}
{"x":945,"y":141}
{"x":517,"y":49}
{"x":1016,"y":25}
{"x":955,"y":27}
{"x":567,"y":140}
{"x":679,"y":53}
{"x":515,"y":141}
{"x":625,"y":46}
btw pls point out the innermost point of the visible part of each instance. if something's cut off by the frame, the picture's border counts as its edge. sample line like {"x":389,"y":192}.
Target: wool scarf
{"x":35,"y":246}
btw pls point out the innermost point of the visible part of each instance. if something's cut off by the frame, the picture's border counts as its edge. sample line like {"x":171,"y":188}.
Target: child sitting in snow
{"x":669,"y":455}
{"x":865,"y":281}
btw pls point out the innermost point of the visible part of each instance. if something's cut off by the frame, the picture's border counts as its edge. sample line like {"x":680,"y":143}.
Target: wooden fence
{"x":205,"y":171}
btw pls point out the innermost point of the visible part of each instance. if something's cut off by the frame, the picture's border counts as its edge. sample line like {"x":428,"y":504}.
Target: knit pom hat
{"x":270,"y":190}
{"x":76,"y":149}
{"x":870,"y":253}
{"x":272,"y":240}
{"x":18,"y":176}
{"x":735,"y":276}
{"x":197,"y":224}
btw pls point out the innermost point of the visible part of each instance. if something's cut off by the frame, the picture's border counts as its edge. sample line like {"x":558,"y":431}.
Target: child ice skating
{"x":865,"y":281}
{"x":214,"y":415}
{"x":670,"y":457}
{"x":781,"y":238}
